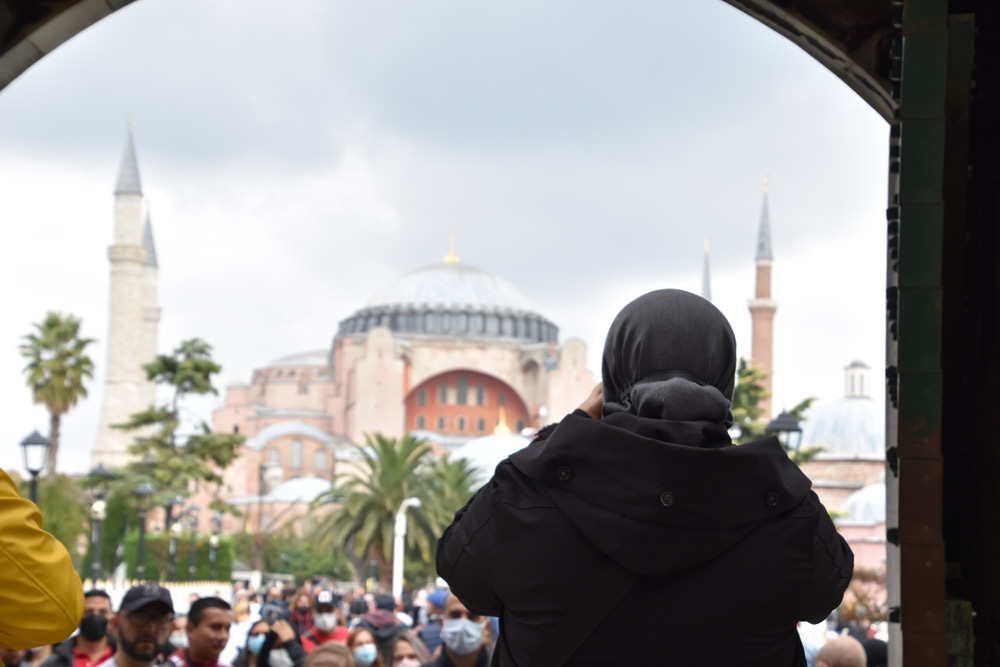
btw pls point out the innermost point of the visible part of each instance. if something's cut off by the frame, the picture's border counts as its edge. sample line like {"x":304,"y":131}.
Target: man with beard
{"x":325,"y":628}
{"x":208,"y":624}
{"x":142,"y":625}
{"x":93,"y":645}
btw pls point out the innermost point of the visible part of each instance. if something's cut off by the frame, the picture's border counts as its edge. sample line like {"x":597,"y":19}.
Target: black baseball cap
{"x":147,"y":594}
{"x":324,"y":599}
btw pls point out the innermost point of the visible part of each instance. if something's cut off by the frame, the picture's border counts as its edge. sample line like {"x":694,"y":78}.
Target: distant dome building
{"x":862,"y":523}
{"x":448,"y":351}
{"x":486,"y":453}
{"x":851,"y":432}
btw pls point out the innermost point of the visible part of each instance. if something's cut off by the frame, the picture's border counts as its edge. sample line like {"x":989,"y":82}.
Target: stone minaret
{"x":706,"y":283}
{"x":133,"y":315}
{"x":762,"y":307}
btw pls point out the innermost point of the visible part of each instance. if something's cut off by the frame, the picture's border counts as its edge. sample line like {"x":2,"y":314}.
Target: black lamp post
{"x":785,"y":423}
{"x":175,"y":532}
{"x":35,"y":449}
{"x":213,"y":542}
{"x":175,"y":503}
{"x":193,"y":522}
{"x":97,"y":513}
{"x":142,"y":494}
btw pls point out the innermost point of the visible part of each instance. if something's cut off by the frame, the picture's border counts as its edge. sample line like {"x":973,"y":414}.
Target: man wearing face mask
{"x":92,"y":645}
{"x":462,"y":637}
{"x":325,"y":627}
{"x":142,"y":625}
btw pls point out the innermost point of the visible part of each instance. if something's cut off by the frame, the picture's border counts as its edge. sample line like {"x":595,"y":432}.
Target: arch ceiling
{"x":850,"y":37}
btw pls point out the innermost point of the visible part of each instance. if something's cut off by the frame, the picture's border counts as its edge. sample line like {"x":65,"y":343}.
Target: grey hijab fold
{"x":670,"y":355}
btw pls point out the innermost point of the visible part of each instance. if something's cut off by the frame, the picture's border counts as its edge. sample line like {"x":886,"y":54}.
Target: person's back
{"x":714,"y":552}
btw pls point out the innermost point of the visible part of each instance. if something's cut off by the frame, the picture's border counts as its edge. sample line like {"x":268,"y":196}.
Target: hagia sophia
{"x":452,"y":354}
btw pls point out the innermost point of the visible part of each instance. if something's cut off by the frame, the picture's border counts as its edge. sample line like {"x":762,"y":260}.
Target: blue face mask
{"x":256,"y":643}
{"x":365,"y":655}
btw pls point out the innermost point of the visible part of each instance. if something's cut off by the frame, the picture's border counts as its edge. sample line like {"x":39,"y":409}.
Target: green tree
{"x":63,"y":505}
{"x":162,"y":457}
{"x":451,"y":484}
{"x":369,"y":496}
{"x":747,"y":395}
{"x":57,"y":367}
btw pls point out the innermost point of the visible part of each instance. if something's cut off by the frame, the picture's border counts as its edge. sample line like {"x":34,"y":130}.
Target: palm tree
{"x":451,"y":486}
{"x":369,"y":496}
{"x":56,"y":370}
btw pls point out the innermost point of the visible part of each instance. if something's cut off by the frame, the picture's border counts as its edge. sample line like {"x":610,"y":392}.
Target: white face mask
{"x":462,"y":636}
{"x":407,"y":662}
{"x":279,"y":658}
{"x":325,"y":622}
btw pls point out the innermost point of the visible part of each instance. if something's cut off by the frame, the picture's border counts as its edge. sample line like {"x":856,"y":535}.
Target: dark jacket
{"x":62,"y":653}
{"x":384,"y":627}
{"x":730,"y":545}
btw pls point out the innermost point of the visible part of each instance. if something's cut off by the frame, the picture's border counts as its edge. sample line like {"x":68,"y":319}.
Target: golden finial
{"x":451,"y":257}
{"x":706,"y":246}
{"x":502,"y":428}
{"x":765,"y":185}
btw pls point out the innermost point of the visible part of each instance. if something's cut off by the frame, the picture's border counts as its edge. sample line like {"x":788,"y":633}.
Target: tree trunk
{"x":54,"y":422}
{"x":384,"y":569}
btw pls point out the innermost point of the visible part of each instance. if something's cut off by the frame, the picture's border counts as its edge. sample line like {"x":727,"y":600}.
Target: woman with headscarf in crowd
{"x":634,"y":532}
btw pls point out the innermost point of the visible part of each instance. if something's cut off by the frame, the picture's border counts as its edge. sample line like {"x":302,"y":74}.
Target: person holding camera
{"x":636,"y":511}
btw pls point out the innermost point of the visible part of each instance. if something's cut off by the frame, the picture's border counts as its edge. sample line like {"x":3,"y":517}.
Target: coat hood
{"x":659,"y":496}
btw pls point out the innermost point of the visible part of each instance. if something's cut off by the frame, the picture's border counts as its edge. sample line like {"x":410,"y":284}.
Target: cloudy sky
{"x":295,"y":163}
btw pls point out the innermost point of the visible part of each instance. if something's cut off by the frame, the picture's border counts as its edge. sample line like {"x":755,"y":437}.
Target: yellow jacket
{"x":41,"y":597}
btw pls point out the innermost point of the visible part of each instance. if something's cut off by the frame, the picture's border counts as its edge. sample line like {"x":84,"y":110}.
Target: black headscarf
{"x":670,"y":355}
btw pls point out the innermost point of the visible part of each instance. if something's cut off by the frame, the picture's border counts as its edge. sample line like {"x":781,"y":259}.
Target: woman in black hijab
{"x":633,"y":532}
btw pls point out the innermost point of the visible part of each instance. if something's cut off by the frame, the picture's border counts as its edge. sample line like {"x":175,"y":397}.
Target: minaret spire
{"x":762,"y":306}
{"x":706,"y":283}
{"x":147,"y":241}
{"x":128,"y":170}
{"x":764,"y":234}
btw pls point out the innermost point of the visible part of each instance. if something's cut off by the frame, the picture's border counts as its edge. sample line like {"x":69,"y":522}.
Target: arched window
{"x":442,"y":394}
{"x":319,"y":460}
{"x":296,"y":454}
{"x":462,"y":393}
{"x":520,"y":425}
{"x":460,"y":424}
{"x":422,"y":397}
{"x":274,"y":457}
{"x":501,"y":399}
{"x":480,"y":395}
{"x":421,"y":422}
{"x":481,"y":425}
{"x":440,"y":423}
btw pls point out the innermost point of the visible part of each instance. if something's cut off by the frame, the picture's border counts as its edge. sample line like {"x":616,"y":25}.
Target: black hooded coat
{"x":730,"y":545}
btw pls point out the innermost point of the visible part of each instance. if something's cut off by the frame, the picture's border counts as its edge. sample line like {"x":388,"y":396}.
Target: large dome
{"x":452,"y":286}
{"x":452,"y":300}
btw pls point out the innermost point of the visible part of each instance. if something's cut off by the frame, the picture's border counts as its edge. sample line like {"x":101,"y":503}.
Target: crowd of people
{"x":310,"y":626}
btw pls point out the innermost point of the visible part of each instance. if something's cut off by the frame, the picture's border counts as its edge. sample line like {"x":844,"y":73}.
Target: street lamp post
{"x":258,"y":553}
{"x":213,"y":543}
{"x":785,"y":423}
{"x":97,"y":513}
{"x":193,"y":521}
{"x":142,"y":494}
{"x":399,"y":533}
{"x":175,"y":504}
{"x":35,"y":449}
{"x":175,"y":532}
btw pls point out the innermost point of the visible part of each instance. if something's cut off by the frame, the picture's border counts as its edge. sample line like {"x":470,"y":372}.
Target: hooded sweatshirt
{"x":729,"y":544}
